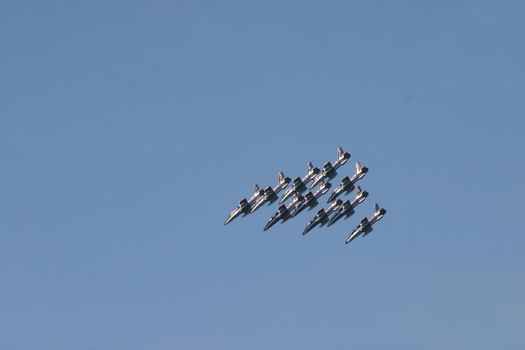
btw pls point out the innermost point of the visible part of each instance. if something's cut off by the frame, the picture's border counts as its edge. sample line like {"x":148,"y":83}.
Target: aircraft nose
{"x":333,"y":220}
{"x":308,"y":228}
{"x":352,"y":236}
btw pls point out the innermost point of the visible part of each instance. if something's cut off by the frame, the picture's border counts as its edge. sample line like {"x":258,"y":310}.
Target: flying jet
{"x":298,"y":184}
{"x":270,"y":194}
{"x":329,"y":169}
{"x":284,"y":212}
{"x":347,"y":209}
{"x":245,"y":205}
{"x":310,"y":199}
{"x":347,"y":184}
{"x":365,"y":226}
{"x":323,"y":216}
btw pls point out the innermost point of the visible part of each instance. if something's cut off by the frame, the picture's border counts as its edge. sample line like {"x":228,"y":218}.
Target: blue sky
{"x":129,"y":130}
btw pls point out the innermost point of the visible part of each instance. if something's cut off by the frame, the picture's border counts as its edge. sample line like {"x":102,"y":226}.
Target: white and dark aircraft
{"x":298,"y":184}
{"x":284,"y":212}
{"x":329,"y":170}
{"x":323,"y":216}
{"x":311,"y":199}
{"x":245,"y":205}
{"x":270,"y":194}
{"x":347,"y":184}
{"x":365,"y":226}
{"x":347,"y":209}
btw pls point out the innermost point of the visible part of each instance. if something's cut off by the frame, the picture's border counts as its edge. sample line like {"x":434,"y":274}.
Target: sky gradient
{"x":129,"y":130}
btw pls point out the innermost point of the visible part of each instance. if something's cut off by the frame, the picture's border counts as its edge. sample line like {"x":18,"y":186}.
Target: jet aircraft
{"x":365,"y":226}
{"x":270,"y":194}
{"x":245,"y":205}
{"x":298,"y":184}
{"x":311,"y":199}
{"x":329,"y":170}
{"x":347,"y":184}
{"x":322,"y":216}
{"x":284,"y":212}
{"x":347,"y":209}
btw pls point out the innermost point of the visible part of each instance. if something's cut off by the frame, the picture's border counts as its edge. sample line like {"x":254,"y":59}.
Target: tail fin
{"x":340,"y":152}
{"x":324,"y":186}
{"x":310,"y":166}
{"x":358,"y":167}
{"x":360,"y":195}
{"x":376,"y":208}
{"x":296,"y":197}
{"x":256,"y":188}
{"x":283,"y":180}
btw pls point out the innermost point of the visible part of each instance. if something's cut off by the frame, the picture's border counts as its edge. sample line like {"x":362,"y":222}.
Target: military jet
{"x":323,"y":216}
{"x":245,"y":205}
{"x":347,"y":209}
{"x":284,"y":212}
{"x":365,"y":226}
{"x":310,"y":199}
{"x":329,"y":170}
{"x":270,"y":194}
{"x":298,"y":184}
{"x":347,"y":184}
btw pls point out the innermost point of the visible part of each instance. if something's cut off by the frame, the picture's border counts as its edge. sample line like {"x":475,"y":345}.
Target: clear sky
{"x":130,"y":129}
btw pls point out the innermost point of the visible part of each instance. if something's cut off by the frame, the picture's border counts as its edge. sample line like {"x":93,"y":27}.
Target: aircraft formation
{"x":319,"y":181}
